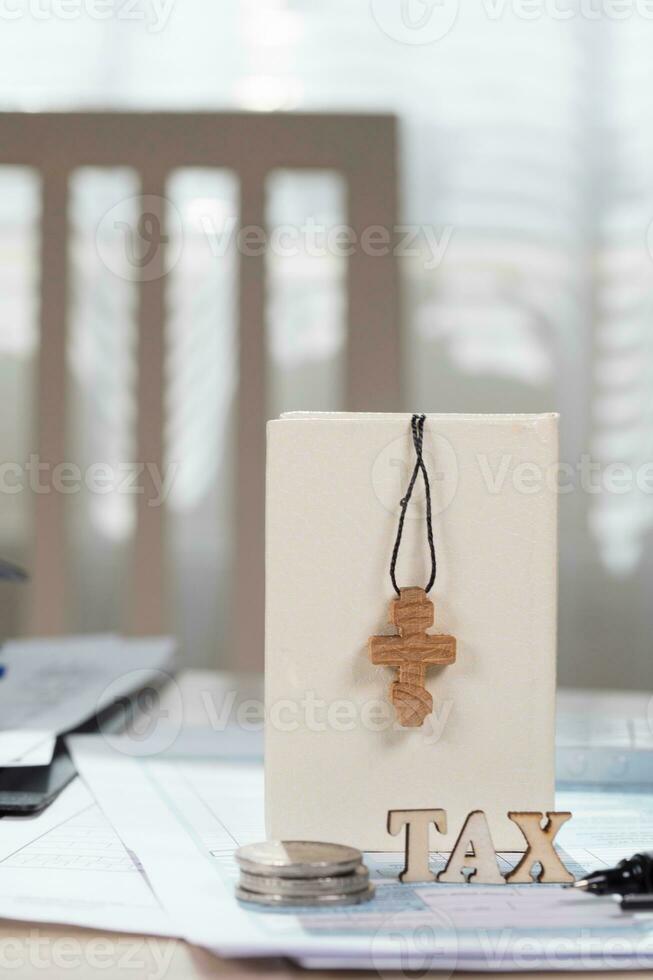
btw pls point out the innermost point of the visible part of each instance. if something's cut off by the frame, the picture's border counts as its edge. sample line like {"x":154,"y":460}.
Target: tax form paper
{"x":183,"y":818}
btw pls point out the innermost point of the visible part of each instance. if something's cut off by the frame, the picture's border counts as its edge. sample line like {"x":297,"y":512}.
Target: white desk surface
{"x":29,"y":951}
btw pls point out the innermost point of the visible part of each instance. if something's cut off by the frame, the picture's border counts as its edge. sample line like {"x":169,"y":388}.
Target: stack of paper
{"x":184,"y":818}
{"x":145,"y":842}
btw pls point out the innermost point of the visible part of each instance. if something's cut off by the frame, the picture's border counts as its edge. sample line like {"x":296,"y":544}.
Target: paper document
{"x":26,"y":747}
{"x":68,"y":865}
{"x":183,"y":818}
{"x":50,"y":686}
{"x":18,"y":832}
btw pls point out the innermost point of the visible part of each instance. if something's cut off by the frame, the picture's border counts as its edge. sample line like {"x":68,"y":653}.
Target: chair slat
{"x":147,"y":595}
{"x":49,"y":565}
{"x":249,"y":558}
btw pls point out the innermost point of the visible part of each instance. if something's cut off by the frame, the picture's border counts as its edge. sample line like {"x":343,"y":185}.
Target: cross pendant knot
{"x":411,"y":651}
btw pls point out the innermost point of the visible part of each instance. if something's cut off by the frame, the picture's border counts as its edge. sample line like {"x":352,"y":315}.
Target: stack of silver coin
{"x":293,"y":873}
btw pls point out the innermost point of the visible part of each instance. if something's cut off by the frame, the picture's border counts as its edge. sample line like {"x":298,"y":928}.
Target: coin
{"x":355,"y":881}
{"x":288,"y":901}
{"x":298,"y":859}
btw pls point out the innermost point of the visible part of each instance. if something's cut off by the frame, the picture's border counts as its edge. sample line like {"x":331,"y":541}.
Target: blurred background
{"x":524,"y":138}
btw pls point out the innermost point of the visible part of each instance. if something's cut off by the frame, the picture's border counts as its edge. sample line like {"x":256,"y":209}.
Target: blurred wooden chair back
{"x":362,"y":148}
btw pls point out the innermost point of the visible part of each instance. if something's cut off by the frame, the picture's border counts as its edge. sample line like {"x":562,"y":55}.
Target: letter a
{"x":474,"y":850}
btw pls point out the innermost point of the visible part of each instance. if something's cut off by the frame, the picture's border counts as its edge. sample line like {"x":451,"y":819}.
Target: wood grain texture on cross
{"x":411,"y":652}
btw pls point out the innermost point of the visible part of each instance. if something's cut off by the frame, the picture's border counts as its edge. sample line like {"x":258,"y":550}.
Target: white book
{"x":336,"y":761}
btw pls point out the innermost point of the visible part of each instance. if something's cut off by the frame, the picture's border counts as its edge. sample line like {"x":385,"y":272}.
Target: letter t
{"x":417,"y":823}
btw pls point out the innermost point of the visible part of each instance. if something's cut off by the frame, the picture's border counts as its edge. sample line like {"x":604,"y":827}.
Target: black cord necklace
{"x":417,"y":426}
{"x":412,"y":650}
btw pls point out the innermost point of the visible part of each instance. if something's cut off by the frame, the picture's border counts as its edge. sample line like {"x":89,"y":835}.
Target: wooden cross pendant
{"x":411,"y":652}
